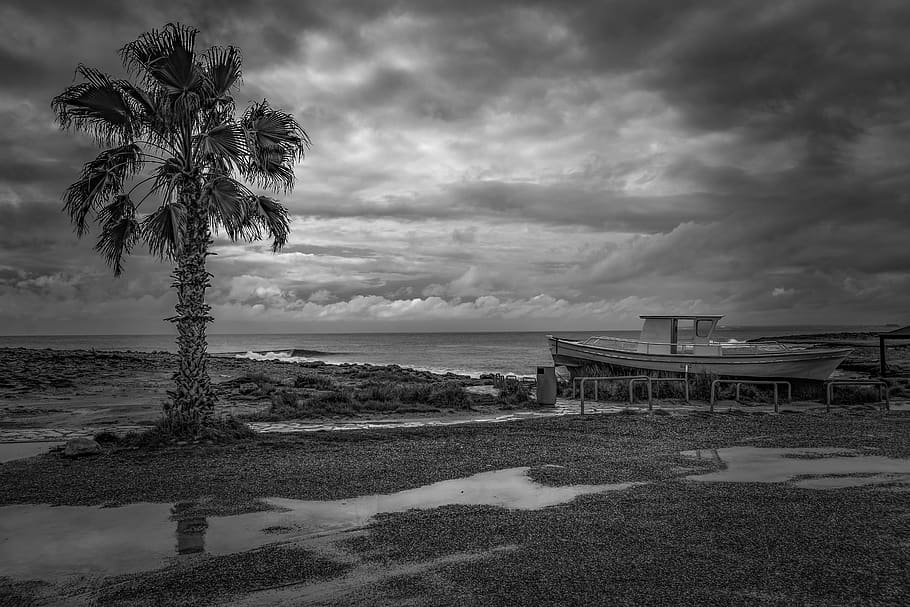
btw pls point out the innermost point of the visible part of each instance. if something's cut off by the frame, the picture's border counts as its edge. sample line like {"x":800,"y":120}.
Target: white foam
{"x":285,"y":357}
{"x":282,"y":357}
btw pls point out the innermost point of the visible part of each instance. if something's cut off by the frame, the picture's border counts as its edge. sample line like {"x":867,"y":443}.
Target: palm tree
{"x":171,"y":135}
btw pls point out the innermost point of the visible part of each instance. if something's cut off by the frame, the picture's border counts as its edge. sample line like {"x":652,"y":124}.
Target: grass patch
{"x":314,"y":381}
{"x":372,"y":396}
{"x":515,"y":395}
{"x":223,"y":431}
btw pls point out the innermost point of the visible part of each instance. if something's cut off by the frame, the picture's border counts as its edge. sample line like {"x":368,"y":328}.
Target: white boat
{"x":671,"y":344}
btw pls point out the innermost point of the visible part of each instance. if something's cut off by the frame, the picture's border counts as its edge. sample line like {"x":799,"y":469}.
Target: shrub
{"x":449,"y":394}
{"x":514,"y":394}
{"x":312,"y":380}
{"x":106,"y":437}
{"x":224,"y":430}
{"x":258,"y":378}
{"x":284,"y":402}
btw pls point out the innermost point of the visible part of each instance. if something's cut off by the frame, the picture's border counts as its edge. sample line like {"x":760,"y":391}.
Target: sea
{"x":474,"y":354}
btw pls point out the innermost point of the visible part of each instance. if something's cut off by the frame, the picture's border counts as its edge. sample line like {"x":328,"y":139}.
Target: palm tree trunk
{"x":192,"y":401}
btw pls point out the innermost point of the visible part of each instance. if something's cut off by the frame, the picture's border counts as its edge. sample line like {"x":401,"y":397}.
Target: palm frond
{"x":150,"y":111}
{"x":222,"y":66}
{"x":275,"y":141}
{"x":226,"y":200}
{"x":167,"y":176}
{"x":225,"y":141}
{"x":166,"y":59}
{"x":100,"y":180}
{"x":122,"y":206}
{"x":163,"y":230}
{"x":119,"y":233}
{"x":98,"y":107}
{"x":271,"y":215}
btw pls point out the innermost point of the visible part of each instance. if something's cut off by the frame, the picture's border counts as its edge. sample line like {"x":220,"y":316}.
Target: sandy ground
{"x":667,"y":539}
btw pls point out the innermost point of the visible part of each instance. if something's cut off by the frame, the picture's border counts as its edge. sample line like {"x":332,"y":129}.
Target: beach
{"x":627,"y":508}
{"x":49,"y":388}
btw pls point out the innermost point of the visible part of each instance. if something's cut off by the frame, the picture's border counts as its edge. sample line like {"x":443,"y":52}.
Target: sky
{"x":484,"y":165}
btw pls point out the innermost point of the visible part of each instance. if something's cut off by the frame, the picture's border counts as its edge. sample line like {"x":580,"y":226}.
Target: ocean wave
{"x":285,"y":356}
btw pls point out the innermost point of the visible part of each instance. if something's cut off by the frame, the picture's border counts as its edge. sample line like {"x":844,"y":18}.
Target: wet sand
{"x":675,"y":528}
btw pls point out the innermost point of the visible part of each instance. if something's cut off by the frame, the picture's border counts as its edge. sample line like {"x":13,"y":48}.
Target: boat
{"x":682,"y":345}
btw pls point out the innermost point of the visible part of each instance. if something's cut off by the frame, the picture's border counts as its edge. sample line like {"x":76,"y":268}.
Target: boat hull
{"x":815,"y":364}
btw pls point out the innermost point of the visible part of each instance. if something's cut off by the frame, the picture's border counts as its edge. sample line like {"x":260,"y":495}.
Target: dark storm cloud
{"x":820,"y":71}
{"x":546,"y":204}
{"x":751,"y":155}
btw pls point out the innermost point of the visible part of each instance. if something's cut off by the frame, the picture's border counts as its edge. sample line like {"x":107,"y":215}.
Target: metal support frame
{"x":739,"y":382}
{"x":882,"y":390}
{"x":631,"y":378}
{"x":632,"y":392}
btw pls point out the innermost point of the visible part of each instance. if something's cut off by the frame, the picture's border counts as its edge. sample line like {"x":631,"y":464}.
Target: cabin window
{"x":703,"y":327}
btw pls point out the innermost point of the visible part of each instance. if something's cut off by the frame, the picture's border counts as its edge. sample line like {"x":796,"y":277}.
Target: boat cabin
{"x":669,"y":334}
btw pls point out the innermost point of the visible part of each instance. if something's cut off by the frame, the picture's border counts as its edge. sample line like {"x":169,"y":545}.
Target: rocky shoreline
{"x":80,"y":388}
{"x":72,"y":388}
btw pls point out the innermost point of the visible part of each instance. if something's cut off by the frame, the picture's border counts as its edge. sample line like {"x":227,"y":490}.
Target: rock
{"x":248,"y":388}
{"x":78,"y":447}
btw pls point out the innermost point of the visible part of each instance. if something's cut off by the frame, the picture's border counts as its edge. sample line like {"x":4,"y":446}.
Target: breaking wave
{"x":290,"y":356}
{"x":283,"y":356}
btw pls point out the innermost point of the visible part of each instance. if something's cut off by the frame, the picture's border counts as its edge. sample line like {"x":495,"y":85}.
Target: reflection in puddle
{"x":13,"y":451}
{"x":810,"y":468}
{"x":190,"y":529}
{"x":40,"y":541}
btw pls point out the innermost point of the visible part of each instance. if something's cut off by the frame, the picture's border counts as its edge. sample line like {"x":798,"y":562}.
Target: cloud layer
{"x":499,"y":165}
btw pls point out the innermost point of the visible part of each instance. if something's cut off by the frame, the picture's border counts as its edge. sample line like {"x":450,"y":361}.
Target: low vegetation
{"x":310,"y":397}
{"x":514,"y":394}
{"x":224,"y":430}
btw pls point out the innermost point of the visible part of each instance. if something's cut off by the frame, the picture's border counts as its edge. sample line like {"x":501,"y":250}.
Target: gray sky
{"x":484,"y":165}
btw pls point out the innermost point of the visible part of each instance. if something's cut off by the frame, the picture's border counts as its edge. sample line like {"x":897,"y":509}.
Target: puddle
{"x":44,"y":542}
{"x":12,"y":451}
{"x":810,"y":468}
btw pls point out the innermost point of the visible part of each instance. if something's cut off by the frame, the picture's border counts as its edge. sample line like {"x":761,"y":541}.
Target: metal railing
{"x":739,"y":382}
{"x":632,"y":391}
{"x":578,"y":388}
{"x":882,"y":390}
{"x":716,"y":348}
{"x":631,"y":379}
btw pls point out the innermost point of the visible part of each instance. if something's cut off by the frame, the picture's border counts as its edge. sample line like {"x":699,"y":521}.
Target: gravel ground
{"x":671,"y":541}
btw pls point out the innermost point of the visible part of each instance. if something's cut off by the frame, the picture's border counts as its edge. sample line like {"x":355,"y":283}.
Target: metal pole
{"x":649,"y":396}
{"x":595,"y":390}
{"x":582,"y":397}
{"x":828,"y":398}
{"x":775,"y":399}
{"x":737,"y":392}
{"x":881,"y":354}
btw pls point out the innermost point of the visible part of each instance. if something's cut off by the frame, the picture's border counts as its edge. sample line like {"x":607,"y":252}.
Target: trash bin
{"x":546,"y":385}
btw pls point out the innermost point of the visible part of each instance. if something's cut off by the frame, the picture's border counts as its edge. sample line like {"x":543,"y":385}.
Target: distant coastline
{"x":470,"y":354}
